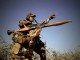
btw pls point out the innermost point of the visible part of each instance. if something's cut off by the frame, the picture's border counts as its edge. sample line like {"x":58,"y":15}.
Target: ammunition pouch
{"x":19,"y":38}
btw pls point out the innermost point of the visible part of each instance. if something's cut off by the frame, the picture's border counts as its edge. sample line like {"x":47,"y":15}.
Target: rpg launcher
{"x":43,"y":25}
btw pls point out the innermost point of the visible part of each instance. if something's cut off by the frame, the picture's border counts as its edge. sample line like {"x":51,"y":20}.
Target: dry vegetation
{"x":51,"y":54}
{"x":70,"y":55}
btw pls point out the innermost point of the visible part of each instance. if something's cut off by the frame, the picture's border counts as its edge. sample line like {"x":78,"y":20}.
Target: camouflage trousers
{"x":18,"y":52}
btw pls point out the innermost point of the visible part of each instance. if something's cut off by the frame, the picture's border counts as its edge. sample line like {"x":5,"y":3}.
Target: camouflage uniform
{"x":20,"y":49}
{"x":38,"y":44}
{"x":20,"y":41}
{"x":20,"y":38}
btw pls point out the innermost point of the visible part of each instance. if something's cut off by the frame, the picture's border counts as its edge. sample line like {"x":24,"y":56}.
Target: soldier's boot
{"x":43,"y":53}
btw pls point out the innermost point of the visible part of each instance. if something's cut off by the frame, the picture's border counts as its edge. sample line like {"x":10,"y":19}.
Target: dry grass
{"x":50,"y":55}
{"x":70,"y":55}
{"x":53,"y":55}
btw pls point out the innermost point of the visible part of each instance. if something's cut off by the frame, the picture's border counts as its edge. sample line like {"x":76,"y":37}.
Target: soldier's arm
{"x":21,"y":30}
{"x":26,"y":28}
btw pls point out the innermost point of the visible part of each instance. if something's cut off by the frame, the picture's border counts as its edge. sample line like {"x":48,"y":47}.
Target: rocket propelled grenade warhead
{"x":62,"y":22}
{"x":58,"y":23}
{"x":9,"y":32}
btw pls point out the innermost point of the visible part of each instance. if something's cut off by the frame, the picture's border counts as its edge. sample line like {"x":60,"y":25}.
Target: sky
{"x":61,"y":38}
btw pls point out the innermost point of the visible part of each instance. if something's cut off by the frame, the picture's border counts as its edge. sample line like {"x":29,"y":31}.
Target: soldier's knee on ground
{"x":17,"y":57}
{"x":15,"y":48}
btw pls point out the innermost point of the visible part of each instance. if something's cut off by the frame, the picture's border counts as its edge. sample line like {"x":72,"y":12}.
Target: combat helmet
{"x":30,"y":15}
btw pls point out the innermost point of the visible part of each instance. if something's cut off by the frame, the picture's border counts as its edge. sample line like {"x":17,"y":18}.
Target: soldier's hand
{"x":39,"y":27}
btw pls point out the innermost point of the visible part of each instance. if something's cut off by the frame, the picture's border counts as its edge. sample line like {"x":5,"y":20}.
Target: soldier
{"x":26,"y":26}
{"x":20,"y":37}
